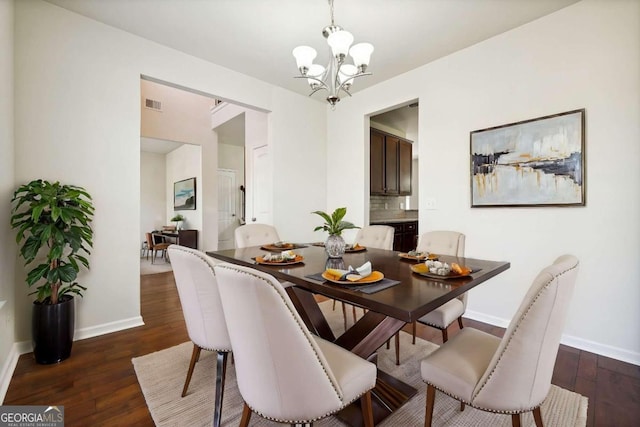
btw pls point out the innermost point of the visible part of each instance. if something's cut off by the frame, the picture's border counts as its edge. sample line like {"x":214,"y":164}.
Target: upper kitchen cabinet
{"x":390,"y":164}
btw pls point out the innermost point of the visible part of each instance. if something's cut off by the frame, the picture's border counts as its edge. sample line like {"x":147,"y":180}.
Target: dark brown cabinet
{"x":188,"y":238}
{"x":405,"y":237}
{"x":390,"y":164}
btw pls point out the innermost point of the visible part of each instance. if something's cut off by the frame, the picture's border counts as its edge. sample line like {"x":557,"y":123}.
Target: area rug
{"x":160,"y":266}
{"x":161,"y":376}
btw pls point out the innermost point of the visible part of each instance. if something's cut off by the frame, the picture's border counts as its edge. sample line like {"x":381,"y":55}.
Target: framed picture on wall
{"x":537,"y":162}
{"x":184,"y":194}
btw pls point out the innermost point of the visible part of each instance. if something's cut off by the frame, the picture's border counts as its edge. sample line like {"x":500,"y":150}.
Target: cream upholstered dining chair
{"x":202,"y":310}
{"x":285,"y":373}
{"x":255,"y":235}
{"x":442,"y":243}
{"x":370,"y":236}
{"x":376,"y":236}
{"x":511,"y":375}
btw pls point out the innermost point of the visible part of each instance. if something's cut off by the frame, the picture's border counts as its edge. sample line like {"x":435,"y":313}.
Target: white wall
{"x":153,"y":192}
{"x":64,"y":62}
{"x":584,"y":56}
{"x":182,"y":163}
{"x":300,"y":166}
{"x":8,"y":247}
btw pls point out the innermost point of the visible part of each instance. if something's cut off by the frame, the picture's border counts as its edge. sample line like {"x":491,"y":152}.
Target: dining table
{"x":401,"y":297}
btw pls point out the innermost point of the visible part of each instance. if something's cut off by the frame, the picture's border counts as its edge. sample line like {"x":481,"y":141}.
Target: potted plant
{"x":334,"y":225}
{"x":53,"y":223}
{"x":178,"y":218}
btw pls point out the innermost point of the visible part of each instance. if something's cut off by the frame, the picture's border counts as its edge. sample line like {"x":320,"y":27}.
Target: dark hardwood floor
{"x":98,"y":385}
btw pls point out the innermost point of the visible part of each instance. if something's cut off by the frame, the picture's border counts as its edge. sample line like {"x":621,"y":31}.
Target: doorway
{"x":392,"y":131}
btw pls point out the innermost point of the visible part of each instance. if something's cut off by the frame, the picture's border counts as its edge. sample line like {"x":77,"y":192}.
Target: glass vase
{"x":335,"y":246}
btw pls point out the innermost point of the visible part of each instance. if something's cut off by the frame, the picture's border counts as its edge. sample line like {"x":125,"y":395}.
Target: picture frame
{"x":184,"y":194}
{"x":536,"y":162}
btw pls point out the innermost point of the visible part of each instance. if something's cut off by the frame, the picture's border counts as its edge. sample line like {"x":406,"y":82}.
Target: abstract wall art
{"x":537,"y":162}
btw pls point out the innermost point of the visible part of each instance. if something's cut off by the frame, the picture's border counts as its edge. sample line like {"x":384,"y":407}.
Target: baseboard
{"x":568,"y":340}
{"x":107,"y":328}
{"x":602,"y":349}
{"x":486,"y":318}
{"x":7,"y":370}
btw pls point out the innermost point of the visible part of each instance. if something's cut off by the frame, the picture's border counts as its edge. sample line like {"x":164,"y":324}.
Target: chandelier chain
{"x":331,"y":12}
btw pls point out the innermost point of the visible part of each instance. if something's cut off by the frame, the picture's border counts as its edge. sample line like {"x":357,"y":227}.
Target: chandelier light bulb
{"x":316,"y":71}
{"x":347,"y":71}
{"x":361,"y":54}
{"x":304,"y":58}
{"x":340,"y":41}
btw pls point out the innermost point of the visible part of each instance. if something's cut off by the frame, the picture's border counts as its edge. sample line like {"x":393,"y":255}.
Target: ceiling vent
{"x":153,"y":104}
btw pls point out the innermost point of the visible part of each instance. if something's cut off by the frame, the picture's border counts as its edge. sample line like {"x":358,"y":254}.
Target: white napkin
{"x":355,"y":274}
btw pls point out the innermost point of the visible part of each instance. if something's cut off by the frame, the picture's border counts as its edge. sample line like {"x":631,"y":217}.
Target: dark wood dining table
{"x":387,"y":310}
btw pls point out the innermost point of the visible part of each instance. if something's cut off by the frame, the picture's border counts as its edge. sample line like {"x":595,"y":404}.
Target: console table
{"x":188,"y":238}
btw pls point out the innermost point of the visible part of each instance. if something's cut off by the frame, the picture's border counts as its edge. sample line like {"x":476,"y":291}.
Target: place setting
{"x":287,"y":257}
{"x":417,"y":256}
{"x":362,"y":279}
{"x":281,"y":246}
{"x":441,"y":270}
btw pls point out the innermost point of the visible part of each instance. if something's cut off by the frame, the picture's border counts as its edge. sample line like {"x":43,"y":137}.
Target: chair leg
{"x":461,"y":406}
{"x":460,"y":322}
{"x":413,"y":332}
{"x":397,"y":340}
{"x":537,"y":417}
{"x":221,"y":374}
{"x":344,"y":314}
{"x":367,"y":409}
{"x":353,"y":308}
{"x":246,"y":416}
{"x":445,"y":337}
{"x":195,"y":355}
{"x":515,"y":420}
{"x":431,"y":398}
{"x":333,"y":307}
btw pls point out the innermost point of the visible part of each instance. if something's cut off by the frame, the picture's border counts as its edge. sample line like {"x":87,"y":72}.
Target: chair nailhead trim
{"x":495,"y":411}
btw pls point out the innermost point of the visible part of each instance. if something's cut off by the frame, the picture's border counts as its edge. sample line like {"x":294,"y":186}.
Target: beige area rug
{"x":160,"y":266}
{"x":161,"y":376}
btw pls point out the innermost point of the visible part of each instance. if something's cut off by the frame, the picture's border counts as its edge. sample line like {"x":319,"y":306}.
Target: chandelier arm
{"x":348,"y":81}
{"x":317,"y":90}
{"x":323,"y":84}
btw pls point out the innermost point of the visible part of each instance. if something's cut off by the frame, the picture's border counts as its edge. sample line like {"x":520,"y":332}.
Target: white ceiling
{"x":159,"y":146}
{"x":256,"y":37}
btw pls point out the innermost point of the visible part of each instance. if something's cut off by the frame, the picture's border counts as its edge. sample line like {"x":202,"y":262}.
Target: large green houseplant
{"x":53,"y":223}
{"x":334,"y":224}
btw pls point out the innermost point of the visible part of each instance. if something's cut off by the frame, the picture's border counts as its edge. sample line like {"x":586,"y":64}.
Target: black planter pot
{"x":52,"y":329}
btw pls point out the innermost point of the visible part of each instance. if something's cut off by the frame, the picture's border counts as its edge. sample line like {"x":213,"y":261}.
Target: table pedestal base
{"x":388,"y":395}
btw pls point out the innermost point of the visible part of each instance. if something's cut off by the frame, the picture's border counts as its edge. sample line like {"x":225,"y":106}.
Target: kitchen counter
{"x":391,"y":221}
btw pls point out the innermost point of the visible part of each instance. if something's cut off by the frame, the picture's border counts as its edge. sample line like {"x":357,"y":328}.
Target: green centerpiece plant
{"x":53,"y":223}
{"x":334,"y":225}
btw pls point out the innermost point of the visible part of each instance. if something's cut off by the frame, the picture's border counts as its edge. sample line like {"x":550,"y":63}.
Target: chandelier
{"x":337,"y":76}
